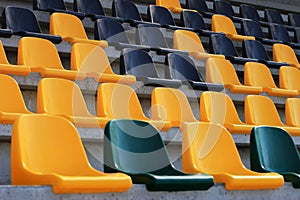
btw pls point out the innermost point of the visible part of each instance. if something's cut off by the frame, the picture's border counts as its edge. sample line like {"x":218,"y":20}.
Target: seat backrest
{"x":292,"y":114}
{"x":223,"y":7}
{"x":93,"y":7}
{"x":272,"y":149}
{"x":89,"y":58}
{"x":221,"y":23}
{"x":289,"y":78}
{"x":3,"y":57}
{"x":221,"y":44}
{"x":252,"y":28}
{"x":249,"y":12}
{"x":218,"y":107}
{"x":187,"y":41}
{"x":134,"y":147}
{"x":210,"y":148}
{"x":20,"y":19}
{"x":258,"y":110}
{"x":66,"y":25}
{"x":168,"y":4}
{"x":138,"y":63}
{"x":150,"y":36}
{"x":294,"y":19}
{"x":279,"y":32}
{"x":273,"y":16}
{"x":11,"y":97}
{"x":172,"y":105}
{"x":182,"y":67}
{"x":60,"y":97}
{"x":199,"y":5}
{"x":258,"y":74}
{"x":47,"y":144}
{"x":38,"y":52}
{"x":192,"y":19}
{"x":284,"y":53}
{"x":125,"y":9}
{"x":221,"y":71}
{"x":110,"y":30}
{"x":161,"y":15}
{"x":297,"y":34}
{"x":109,"y":103}
{"x":46,"y":5}
{"x":254,"y":49}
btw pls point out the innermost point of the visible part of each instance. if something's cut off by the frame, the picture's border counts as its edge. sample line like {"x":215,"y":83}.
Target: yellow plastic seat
{"x":64,"y":98}
{"x":117,"y":101}
{"x":92,"y":60}
{"x":170,"y":104}
{"x":285,"y":53}
{"x":261,"y":110}
{"x":42,"y":56}
{"x":289,"y":78}
{"x":258,"y":74}
{"x":70,"y":28}
{"x":190,"y":41}
{"x":292,"y":112}
{"x":47,"y":150}
{"x":173,"y":5}
{"x":12,"y":104}
{"x":209,"y":148}
{"x":222,"y":71}
{"x":217,"y":107}
{"x":7,"y":68}
{"x":221,"y":23}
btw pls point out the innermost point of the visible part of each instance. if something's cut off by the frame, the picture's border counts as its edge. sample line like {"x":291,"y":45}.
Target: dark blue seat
{"x":140,"y":64}
{"x":224,"y":8}
{"x":114,"y":33}
{"x":294,"y":19}
{"x":275,"y":17}
{"x":182,"y":67}
{"x":221,"y":44}
{"x":297,"y":34}
{"x":250,"y":12}
{"x":280,"y":33}
{"x":22,"y":22}
{"x":200,"y":6}
{"x":54,"y":6}
{"x":255,"y":49}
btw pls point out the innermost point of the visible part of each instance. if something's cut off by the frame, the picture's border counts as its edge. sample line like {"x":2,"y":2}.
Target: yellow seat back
{"x":221,"y":23}
{"x":187,"y":41}
{"x":284,"y":53}
{"x":292,"y":112}
{"x":3,"y":58}
{"x":289,"y":78}
{"x":168,"y":4}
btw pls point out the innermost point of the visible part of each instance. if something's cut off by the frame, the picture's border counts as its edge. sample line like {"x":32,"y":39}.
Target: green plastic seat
{"x":273,"y":150}
{"x":137,"y":149}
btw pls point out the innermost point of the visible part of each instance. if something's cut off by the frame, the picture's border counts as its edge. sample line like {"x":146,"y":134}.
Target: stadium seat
{"x":273,"y":150}
{"x":258,"y":74}
{"x":223,"y":24}
{"x":252,"y":28}
{"x":256,"y":50}
{"x":54,"y":6}
{"x":12,"y":103}
{"x":223,"y":72}
{"x":114,"y":33}
{"x":23,"y":22}
{"x":284,"y":53}
{"x":294,"y":19}
{"x":42,"y":57}
{"x":273,"y":16}
{"x":221,"y":44}
{"x":63,"y":97}
{"x":7,"y":68}
{"x":261,"y":110}
{"x":297,"y":34}
{"x":110,"y":105}
{"x":199,"y":6}
{"x":92,"y":9}
{"x":173,"y":5}
{"x":183,"y":68}
{"x":218,"y":108}
{"x":92,"y":60}
{"x":128,"y":11}
{"x":250,"y":12}
{"x":190,"y":41}
{"x":289,"y":78}
{"x":137,"y":149}
{"x":280,"y":33}
{"x":210,"y":148}
{"x":223,"y":7}
{"x":148,"y":35}
{"x":292,"y":112}
{"x":140,"y":64}
{"x":70,"y":28}
{"x":171,"y":105}
{"x":47,"y":150}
